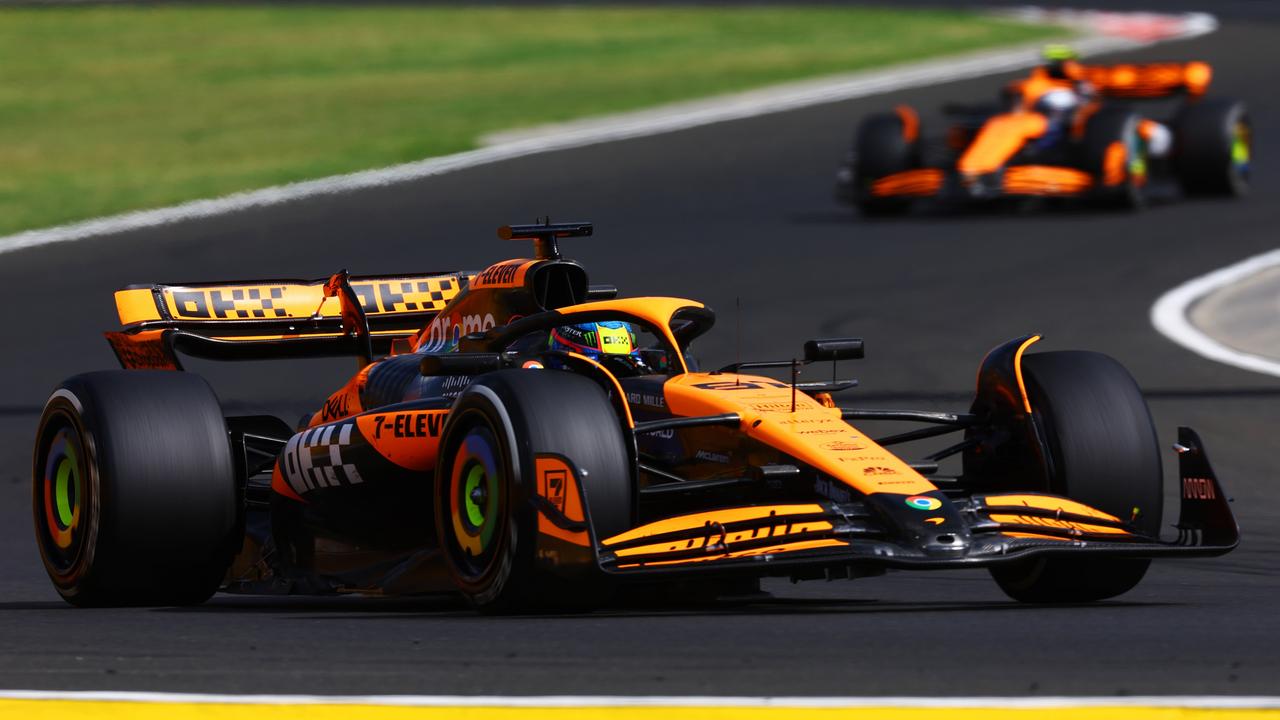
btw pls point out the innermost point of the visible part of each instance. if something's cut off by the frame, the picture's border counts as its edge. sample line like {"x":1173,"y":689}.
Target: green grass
{"x":107,"y":109}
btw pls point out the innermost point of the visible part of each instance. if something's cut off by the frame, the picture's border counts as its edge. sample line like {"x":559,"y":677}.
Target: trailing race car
{"x":529,"y":439}
{"x":1057,"y":134}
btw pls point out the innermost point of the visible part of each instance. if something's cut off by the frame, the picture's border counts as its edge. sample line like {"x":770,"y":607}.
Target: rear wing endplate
{"x":338,"y":316}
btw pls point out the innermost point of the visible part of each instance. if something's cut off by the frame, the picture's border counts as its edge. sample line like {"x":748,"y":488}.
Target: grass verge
{"x":108,"y":109}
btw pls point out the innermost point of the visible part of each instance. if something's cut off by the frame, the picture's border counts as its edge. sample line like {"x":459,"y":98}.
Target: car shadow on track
{"x":447,"y":607}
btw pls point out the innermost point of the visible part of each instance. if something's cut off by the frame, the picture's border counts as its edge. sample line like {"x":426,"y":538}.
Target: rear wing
{"x":1149,"y":80}
{"x":338,"y":316}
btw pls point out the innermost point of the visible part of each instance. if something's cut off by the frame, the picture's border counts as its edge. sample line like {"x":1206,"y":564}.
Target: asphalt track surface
{"x":732,"y":211}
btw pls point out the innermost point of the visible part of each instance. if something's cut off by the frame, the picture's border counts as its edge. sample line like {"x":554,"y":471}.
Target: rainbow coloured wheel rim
{"x":62,"y":498}
{"x":1241,"y":148}
{"x":477,"y":501}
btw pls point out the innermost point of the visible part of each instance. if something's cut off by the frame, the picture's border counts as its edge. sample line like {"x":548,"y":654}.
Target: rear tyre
{"x":486,"y":487}
{"x":134,"y":491}
{"x":882,"y":146}
{"x":1113,"y":153}
{"x":1103,"y":452}
{"x":1213,"y":147}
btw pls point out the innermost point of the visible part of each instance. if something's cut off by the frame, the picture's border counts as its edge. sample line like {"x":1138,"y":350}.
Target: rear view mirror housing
{"x":833,"y":349}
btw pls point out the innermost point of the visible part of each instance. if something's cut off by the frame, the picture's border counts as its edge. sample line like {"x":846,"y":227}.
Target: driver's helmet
{"x":1058,"y":58}
{"x":595,"y":339}
{"x":1057,"y":103}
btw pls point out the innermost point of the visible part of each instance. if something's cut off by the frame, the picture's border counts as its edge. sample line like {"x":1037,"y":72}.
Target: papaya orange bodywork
{"x":559,"y":486}
{"x":1000,"y":139}
{"x":910,"y":122}
{"x":922,"y":182}
{"x":814,"y":433}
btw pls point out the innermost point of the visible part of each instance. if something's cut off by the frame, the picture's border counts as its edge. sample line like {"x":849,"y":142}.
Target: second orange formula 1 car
{"x":1067,"y":130}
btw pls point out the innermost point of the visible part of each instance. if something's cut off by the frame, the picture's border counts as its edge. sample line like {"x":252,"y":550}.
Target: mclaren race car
{"x":528,"y":439}
{"x":1068,"y":130}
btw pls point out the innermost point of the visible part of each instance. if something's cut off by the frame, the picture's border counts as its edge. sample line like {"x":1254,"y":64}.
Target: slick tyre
{"x":1114,"y":154}
{"x":487,"y":500}
{"x":134,"y":492}
{"x":1103,"y":451}
{"x":883,"y":145}
{"x":1213,"y":144}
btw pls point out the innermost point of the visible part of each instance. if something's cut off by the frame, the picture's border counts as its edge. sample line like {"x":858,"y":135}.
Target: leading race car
{"x":529,"y":440}
{"x":1068,"y":130}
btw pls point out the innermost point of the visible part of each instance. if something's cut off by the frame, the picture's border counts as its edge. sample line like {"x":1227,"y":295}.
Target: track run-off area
{"x":735,"y":214}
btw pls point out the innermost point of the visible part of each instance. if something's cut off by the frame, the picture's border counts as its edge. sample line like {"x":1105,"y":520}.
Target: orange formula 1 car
{"x":527,"y":439}
{"x":1066,"y":131}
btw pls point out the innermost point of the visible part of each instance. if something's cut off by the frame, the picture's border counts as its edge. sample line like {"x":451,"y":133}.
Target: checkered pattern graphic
{"x":407,"y":295}
{"x":313,"y":459}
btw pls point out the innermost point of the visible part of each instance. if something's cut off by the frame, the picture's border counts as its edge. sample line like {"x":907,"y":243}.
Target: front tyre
{"x":884,"y":144}
{"x":1103,"y":452}
{"x":134,"y":492}
{"x":486,"y":500}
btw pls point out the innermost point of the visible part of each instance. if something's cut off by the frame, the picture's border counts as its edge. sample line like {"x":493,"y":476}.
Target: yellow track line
{"x":104,"y":710}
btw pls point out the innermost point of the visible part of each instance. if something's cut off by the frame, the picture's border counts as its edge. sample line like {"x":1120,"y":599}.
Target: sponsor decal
{"x":532,"y":365}
{"x":313,"y":459}
{"x":1198,"y":489}
{"x":742,"y":385}
{"x":711,"y":456}
{"x":771,"y":406}
{"x":935,"y":520}
{"x":502,"y":275}
{"x":650,"y":399}
{"x":243,"y":303}
{"x":822,"y":431}
{"x":335,"y":407}
{"x":453,"y":384}
{"x":813,"y":421}
{"x":408,"y":424}
{"x":878,"y":470}
{"x":843,"y":446}
{"x":923,"y":502}
{"x":444,"y":332}
{"x":143,"y":351}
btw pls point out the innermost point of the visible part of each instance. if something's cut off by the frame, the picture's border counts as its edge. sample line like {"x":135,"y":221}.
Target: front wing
{"x":996,"y":528}
{"x":1012,"y":181}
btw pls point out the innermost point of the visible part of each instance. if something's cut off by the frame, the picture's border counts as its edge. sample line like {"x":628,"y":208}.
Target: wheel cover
{"x":477,"y":501}
{"x":62,"y":494}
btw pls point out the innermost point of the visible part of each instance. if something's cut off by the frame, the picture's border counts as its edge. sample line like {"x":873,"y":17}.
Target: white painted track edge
{"x":1171,"y":314}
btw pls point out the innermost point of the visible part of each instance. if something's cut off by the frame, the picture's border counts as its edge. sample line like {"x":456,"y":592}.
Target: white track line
{"x":647,"y":122}
{"x":1170,"y":316}
{"x":576,"y":701}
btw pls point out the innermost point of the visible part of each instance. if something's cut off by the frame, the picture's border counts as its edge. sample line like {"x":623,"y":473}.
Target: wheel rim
{"x":63,"y":499}
{"x":477,"y":501}
{"x":1241,"y":148}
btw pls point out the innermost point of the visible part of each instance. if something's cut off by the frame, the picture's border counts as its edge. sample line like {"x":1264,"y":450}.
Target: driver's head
{"x":1058,"y":60}
{"x":594,"y":339}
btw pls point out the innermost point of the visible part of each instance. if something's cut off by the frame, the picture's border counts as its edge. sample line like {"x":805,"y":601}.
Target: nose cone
{"x":928,"y":522}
